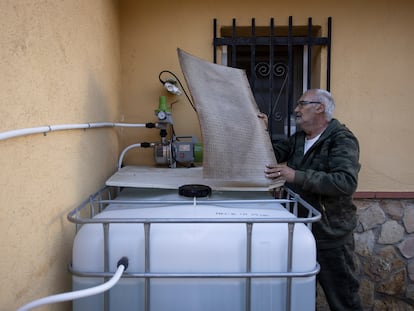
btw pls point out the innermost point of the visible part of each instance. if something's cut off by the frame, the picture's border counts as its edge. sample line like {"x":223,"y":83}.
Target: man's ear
{"x":320,"y":108}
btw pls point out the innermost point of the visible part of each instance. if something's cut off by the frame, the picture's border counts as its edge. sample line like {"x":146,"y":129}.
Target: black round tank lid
{"x":194,"y":190}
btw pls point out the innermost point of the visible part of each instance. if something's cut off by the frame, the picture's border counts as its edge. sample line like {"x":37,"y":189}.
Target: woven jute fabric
{"x":236,"y":145}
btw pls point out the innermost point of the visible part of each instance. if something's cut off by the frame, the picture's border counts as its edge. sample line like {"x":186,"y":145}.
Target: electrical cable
{"x":122,"y":266}
{"x":182,"y":87}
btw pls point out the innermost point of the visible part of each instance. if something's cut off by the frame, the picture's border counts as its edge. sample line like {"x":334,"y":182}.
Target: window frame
{"x":308,"y":37}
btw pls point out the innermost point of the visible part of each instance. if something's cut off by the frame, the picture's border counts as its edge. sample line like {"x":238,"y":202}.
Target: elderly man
{"x":322,"y":165}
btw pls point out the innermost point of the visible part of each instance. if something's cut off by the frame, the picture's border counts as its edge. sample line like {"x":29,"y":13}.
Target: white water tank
{"x":215,"y":248}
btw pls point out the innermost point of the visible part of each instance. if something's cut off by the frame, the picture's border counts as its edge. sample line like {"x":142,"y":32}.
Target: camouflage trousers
{"x":337,"y":277}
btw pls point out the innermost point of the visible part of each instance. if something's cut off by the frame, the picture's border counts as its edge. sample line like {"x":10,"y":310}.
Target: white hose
{"x":121,"y":157}
{"x":51,"y":128}
{"x":76,"y":294}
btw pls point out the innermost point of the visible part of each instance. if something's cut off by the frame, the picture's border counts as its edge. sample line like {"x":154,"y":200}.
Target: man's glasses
{"x":302,"y":103}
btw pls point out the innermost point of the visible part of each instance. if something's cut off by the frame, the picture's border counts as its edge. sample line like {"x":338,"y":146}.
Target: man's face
{"x":306,"y":109}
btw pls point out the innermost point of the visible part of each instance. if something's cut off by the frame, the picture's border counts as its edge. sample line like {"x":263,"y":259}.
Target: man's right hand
{"x":264,"y":117}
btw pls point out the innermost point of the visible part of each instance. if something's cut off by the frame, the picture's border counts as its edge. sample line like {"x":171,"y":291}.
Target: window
{"x":280,"y":62}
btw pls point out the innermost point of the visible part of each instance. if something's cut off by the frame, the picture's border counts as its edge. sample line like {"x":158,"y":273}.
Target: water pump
{"x":183,"y":150}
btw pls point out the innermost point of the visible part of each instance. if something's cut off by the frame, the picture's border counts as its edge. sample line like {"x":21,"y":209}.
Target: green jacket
{"x":326,"y":177}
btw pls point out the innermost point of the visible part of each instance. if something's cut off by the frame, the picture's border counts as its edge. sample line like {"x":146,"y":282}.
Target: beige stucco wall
{"x":372,"y":65}
{"x":59,"y":64}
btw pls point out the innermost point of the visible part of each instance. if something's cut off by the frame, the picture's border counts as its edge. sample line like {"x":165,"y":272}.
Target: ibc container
{"x":228,"y":253}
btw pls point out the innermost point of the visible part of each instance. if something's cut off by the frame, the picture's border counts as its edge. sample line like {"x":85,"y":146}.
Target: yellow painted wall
{"x":372,"y":64}
{"x":59,"y":64}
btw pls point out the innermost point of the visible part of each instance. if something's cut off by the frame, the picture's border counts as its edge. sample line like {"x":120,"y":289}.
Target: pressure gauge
{"x":161,"y":115}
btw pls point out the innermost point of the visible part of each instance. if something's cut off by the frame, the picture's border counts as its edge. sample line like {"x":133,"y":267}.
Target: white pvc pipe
{"x":129,"y":124}
{"x":50,"y":128}
{"x":76,"y":294}
{"x":121,"y":157}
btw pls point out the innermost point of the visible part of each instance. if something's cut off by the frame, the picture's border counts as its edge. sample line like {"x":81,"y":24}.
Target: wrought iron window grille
{"x":280,"y":62}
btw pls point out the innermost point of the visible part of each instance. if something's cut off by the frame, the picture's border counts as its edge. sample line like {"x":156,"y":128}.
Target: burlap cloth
{"x":236,"y":145}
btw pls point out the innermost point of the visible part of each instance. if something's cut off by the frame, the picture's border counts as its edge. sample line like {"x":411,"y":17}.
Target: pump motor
{"x":183,"y":150}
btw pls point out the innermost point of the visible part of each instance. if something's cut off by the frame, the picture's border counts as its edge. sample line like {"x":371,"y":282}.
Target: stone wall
{"x":384,"y":253}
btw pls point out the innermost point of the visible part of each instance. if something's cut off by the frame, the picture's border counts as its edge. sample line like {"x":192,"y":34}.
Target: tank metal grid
{"x":84,"y":214}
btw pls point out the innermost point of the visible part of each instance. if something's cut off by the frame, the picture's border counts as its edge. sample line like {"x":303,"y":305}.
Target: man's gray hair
{"x":327,"y":100}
